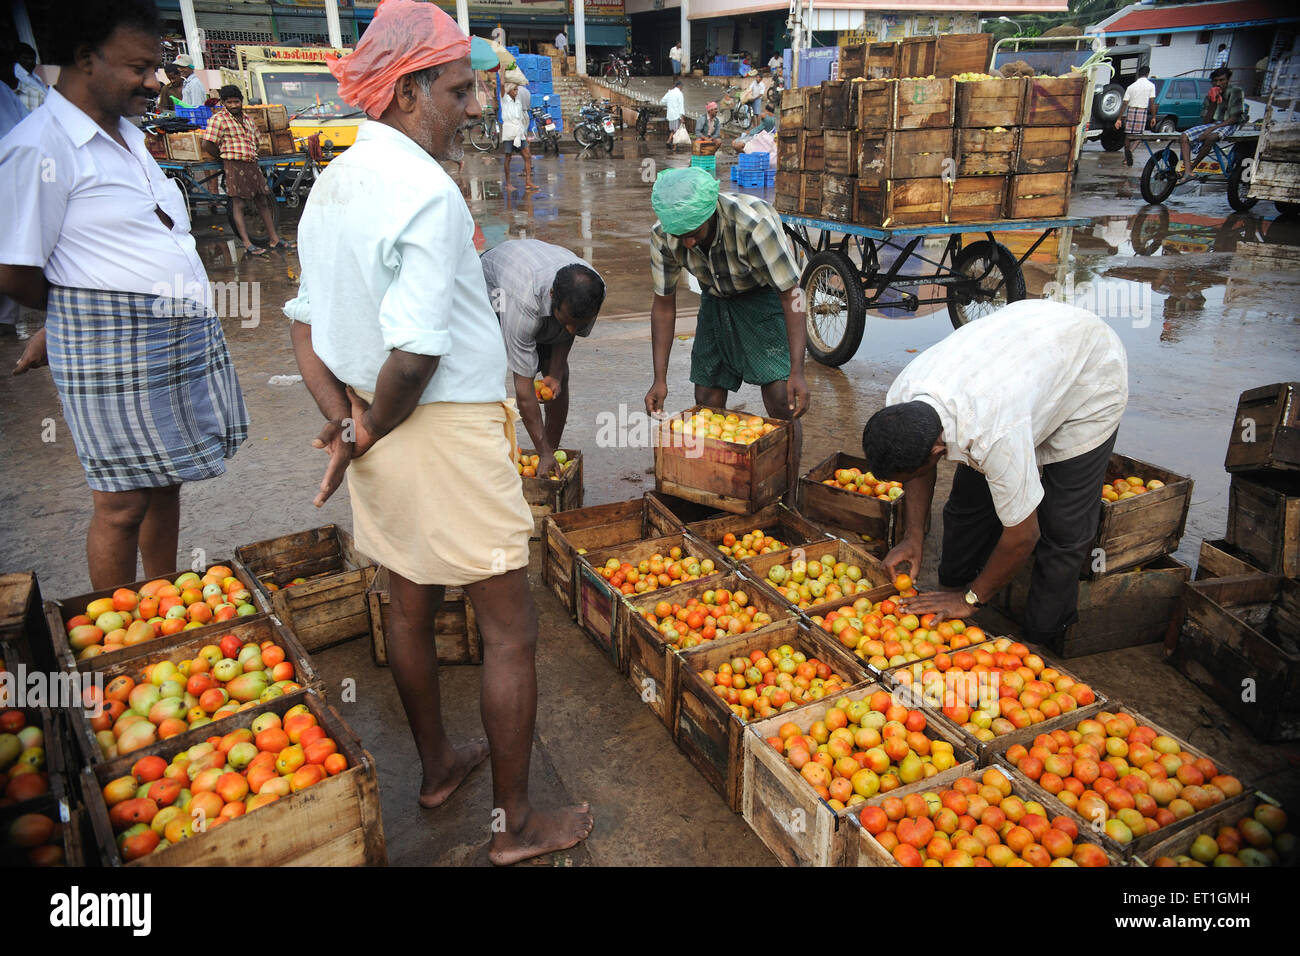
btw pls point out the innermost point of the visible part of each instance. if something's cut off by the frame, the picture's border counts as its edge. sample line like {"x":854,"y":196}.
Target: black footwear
{"x":1128,"y":156}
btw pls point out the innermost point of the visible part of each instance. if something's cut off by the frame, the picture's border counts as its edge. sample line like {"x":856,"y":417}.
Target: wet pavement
{"x":1203,"y":298}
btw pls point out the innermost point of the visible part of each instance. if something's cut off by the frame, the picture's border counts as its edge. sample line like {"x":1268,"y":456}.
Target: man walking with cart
{"x":750,"y":326}
{"x":231,"y":137}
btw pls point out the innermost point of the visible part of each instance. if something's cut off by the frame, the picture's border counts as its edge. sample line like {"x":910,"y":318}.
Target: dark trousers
{"x":1067,"y":525}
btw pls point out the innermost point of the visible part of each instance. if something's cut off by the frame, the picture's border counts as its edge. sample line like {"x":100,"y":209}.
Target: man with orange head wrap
{"x":398,"y":343}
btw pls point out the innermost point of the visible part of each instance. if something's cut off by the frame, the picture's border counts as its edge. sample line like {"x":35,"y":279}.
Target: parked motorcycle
{"x":595,"y":125}
{"x":548,"y":137}
{"x":639,"y":63}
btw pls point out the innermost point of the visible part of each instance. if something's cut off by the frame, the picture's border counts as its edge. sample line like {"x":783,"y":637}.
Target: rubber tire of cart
{"x":1287,"y":210}
{"x":1098,"y":113}
{"x":1149,"y":193}
{"x":257,"y":233}
{"x":1235,"y":199}
{"x":1112,"y":139}
{"x":855,"y":306}
{"x":1013,"y":278}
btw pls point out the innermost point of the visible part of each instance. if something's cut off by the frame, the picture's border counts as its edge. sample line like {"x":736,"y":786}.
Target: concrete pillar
{"x":686,"y":37}
{"x":462,"y":15}
{"x":191,"y":25}
{"x":332,"y":23}
{"x":580,"y":36}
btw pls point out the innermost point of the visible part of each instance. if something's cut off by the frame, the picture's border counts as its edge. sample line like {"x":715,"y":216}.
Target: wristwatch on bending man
{"x":972,"y":599}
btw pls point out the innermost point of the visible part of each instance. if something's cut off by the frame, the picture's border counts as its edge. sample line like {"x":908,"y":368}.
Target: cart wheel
{"x":292,"y":199}
{"x":1287,"y":209}
{"x":1149,"y":230}
{"x":1159,"y":176}
{"x":1238,"y":187}
{"x":836,"y":307}
{"x":253,"y":220}
{"x":1112,"y":139}
{"x":1004,"y":282}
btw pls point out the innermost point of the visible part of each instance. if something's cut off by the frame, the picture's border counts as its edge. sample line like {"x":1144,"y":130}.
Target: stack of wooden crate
{"x":909,"y":135}
{"x":1131,"y":582}
{"x":1240,"y":639}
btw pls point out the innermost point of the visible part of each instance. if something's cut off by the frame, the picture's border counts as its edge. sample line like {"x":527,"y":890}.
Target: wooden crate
{"x":22,"y":618}
{"x":863,"y":850}
{"x":963,"y":53}
{"x":918,"y":153}
{"x":782,"y":808}
{"x":902,"y":202}
{"x":990,"y":103}
{"x":1054,"y":100}
{"x":982,"y":152}
{"x":812,"y":109}
{"x":265,"y":145}
{"x":1125,"y":609}
{"x":1241,"y":638}
{"x":836,"y":112}
{"x":789,"y":150}
{"x":1266,"y":430}
{"x":70,"y":827}
{"x":776,"y":520}
{"x":269,"y":117}
{"x":184,"y":646}
{"x":814,"y":152}
{"x":840,"y":148}
{"x":1225,"y":815}
{"x":794,"y":103}
{"x":548,"y":495}
{"x":58,"y":612}
{"x":1264,"y":520}
{"x":600,"y":604}
{"x":723,"y":475}
{"x":875,"y":105}
{"x":644,"y":654}
{"x":1143,"y":843}
{"x":669,"y":513}
{"x":859,"y":513}
{"x":838,"y":194}
{"x":916,"y":56}
{"x":1046,"y":149}
{"x":1137,"y":530}
{"x":1038,"y":196}
{"x":156,"y":144}
{"x":873,"y":572}
{"x":336,"y":822}
{"x":567,"y":533}
{"x":707,"y":730}
{"x":1221,"y":560}
{"x":455,"y":629}
{"x":882,"y":60}
{"x":853,"y":61}
{"x":282,"y":143}
{"x":186,"y":147}
{"x":787,"y":197}
{"x":330,"y":607}
{"x":873,"y":156}
{"x":977,"y":198}
{"x":923,"y":104}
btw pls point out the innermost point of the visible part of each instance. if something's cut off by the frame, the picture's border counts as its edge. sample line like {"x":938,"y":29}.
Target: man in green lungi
{"x":751,"y":322}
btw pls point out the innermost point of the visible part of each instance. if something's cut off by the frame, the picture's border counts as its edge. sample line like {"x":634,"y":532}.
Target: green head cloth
{"x":684,"y":199}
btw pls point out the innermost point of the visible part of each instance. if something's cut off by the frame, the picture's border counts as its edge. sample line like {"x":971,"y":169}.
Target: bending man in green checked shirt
{"x":751,"y":323}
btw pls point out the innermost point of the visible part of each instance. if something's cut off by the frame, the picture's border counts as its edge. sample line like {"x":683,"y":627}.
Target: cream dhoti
{"x":439,"y":499}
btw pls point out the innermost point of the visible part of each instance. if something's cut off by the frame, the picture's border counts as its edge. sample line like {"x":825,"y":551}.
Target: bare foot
{"x":543,"y":832}
{"x":468,"y":756}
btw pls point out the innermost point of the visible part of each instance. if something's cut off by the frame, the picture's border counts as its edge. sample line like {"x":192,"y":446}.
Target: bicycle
{"x":1228,"y":162}
{"x":486,"y":133}
{"x":734,"y":113}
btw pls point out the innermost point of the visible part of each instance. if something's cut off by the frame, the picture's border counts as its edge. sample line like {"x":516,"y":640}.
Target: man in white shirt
{"x":514,"y":135}
{"x":397,"y":342}
{"x":675,"y":59}
{"x":562,"y":42}
{"x":776,"y":64}
{"x":1031,"y":444}
{"x":1221,"y":57}
{"x":675,"y":103}
{"x":545,"y":296}
{"x":103,"y":244}
{"x":30,"y":88}
{"x":194,"y":93}
{"x":1139,"y":110}
{"x":499,"y":34}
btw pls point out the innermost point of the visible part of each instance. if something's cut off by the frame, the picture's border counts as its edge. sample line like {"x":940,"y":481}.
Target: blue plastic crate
{"x":544,"y":67}
{"x":735,"y":174}
{"x":197,"y":115}
{"x":541,"y":88}
{"x":559,"y":122}
{"x":750,"y":180}
{"x":513,"y":51}
{"x":754,"y":160}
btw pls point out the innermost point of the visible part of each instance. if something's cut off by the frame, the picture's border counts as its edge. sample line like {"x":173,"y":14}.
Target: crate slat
{"x":977,"y":198}
{"x":990,"y":103}
{"x":1054,"y":100}
{"x":1264,"y":520}
{"x":1046,"y":149}
{"x":1038,"y":196}
{"x":1269,"y":417}
{"x":987,"y":152}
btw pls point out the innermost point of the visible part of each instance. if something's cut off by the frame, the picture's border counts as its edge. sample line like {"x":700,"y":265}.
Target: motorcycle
{"x":547,"y":135}
{"x":616,"y":69}
{"x":595,"y":125}
{"x":638,"y":62}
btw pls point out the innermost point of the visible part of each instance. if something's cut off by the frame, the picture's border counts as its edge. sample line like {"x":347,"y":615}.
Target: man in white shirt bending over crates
{"x":1027,"y":402}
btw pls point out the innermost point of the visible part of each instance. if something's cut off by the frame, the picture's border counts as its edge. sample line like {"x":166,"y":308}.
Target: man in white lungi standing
{"x":397,"y":341}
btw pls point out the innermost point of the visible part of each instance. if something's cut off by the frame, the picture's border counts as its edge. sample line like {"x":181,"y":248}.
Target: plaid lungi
{"x":1195,"y":132}
{"x":740,"y":338}
{"x":148,"y":388}
{"x":1135,"y":119}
